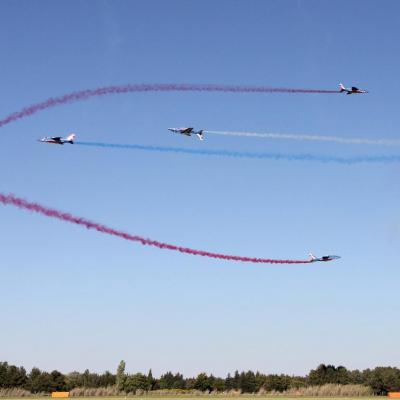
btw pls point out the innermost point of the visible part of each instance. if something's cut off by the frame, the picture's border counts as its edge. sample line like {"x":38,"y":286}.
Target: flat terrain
{"x":201,"y":397}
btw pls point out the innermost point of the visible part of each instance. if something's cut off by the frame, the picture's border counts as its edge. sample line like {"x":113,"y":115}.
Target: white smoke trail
{"x":314,"y":138}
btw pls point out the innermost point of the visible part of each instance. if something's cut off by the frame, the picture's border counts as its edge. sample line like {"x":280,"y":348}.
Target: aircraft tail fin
{"x":71,"y":138}
{"x":341,"y":87}
{"x":200,"y":135}
{"x":312,"y":257}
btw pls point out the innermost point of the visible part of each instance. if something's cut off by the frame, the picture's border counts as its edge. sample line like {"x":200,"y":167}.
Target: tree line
{"x":380,"y":379}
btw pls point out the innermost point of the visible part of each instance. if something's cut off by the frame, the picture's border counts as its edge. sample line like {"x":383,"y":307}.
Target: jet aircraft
{"x":352,"y":90}
{"x":323,"y":258}
{"x":188,"y":132}
{"x":59,"y":139}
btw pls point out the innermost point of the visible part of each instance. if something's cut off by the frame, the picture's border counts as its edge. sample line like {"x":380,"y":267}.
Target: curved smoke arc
{"x":9,"y":199}
{"x":152,"y":87}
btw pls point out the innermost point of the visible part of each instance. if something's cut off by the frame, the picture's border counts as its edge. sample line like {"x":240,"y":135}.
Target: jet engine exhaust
{"x":314,"y":138}
{"x":251,"y":155}
{"x":152,"y":87}
{"x":9,"y":199}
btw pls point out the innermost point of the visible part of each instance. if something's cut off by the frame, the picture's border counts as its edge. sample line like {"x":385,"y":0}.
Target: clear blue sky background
{"x":75,"y":299}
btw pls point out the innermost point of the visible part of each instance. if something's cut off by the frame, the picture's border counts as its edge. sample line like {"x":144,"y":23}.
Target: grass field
{"x":202,"y":397}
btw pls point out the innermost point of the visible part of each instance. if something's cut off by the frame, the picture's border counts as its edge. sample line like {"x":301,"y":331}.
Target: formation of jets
{"x":188,"y":132}
{"x":58,"y":139}
{"x":323,"y":258}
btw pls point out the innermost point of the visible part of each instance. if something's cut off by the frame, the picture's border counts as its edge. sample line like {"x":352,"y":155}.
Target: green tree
{"x":203,"y":382}
{"x":151,"y":382}
{"x":171,"y":381}
{"x":248,"y":383}
{"x":57,"y":381}
{"x":3,"y":375}
{"x":40,"y":381}
{"x":74,"y":380}
{"x":107,"y":379}
{"x":278,"y":383}
{"x":218,"y":384}
{"x":383,"y":380}
{"x":328,"y":374}
{"x":12,"y":376}
{"x":86,"y":378}
{"x":121,"y":377}
{"x":356,"y":377}
{"x":166,"y":381}
{"x":236,"y":380}
{"x":296,"y":381}
{"x":135,"y":382}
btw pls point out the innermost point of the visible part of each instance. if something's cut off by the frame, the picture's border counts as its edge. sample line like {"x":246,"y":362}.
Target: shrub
{"x":15,"y":392}
{"x":328,"y":390}
{"x":89,"y":392}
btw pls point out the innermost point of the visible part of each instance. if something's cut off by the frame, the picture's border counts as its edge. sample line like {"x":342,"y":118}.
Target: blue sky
{"x":76,"y":299}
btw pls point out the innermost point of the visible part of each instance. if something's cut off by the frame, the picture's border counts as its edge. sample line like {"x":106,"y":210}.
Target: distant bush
{"x":328,"y":390}
{"x":176,"y":392}
{"x":190,"y":393}
{"x":15,"y":392}
{"x":95,"y":392}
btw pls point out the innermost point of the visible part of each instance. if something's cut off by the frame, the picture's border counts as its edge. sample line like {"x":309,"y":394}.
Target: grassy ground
{"x":244,"y":397}
{"x":188,"y":397}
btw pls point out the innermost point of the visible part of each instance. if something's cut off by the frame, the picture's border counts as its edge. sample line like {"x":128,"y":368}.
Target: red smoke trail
{"x":86,"y":94}
{"x":52,"y":213}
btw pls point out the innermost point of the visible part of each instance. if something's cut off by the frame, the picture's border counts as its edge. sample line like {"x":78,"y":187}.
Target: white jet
{"x":323,"y":258}
{"x":188,"y":132}
{"x":58,"y":139}
{"x":352,"y":90}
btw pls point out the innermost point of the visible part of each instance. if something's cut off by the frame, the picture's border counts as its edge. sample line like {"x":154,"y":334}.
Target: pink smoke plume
{"x":9,"y":199}
{"x":172,"y":87}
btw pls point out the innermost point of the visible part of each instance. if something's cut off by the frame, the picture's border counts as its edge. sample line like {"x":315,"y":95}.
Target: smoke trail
{"x":253,"y":155}
{"x":53,"y":213}
{"x":315,"y":138}
{"x":169,"y":87}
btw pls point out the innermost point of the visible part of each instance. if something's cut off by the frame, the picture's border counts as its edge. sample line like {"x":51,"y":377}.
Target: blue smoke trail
{"x":253,"y":155}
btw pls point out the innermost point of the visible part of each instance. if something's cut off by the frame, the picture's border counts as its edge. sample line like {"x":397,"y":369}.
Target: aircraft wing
{"x":56,"y":138}
{"x":354,"y":89}
{"x":187,"y":130}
